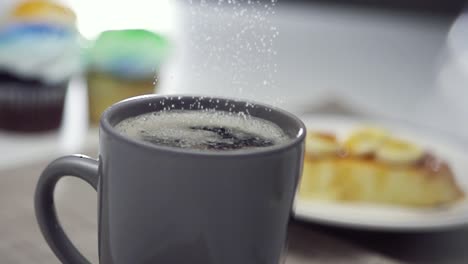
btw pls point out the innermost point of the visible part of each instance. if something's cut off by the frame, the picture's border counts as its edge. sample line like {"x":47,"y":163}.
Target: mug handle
{"x":79,"y":166}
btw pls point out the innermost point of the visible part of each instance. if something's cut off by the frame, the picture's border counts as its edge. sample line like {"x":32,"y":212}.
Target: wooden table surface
{"x":22,"y":243}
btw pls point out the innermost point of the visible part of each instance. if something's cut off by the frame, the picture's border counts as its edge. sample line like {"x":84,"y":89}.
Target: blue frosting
{"x":39,"y":49}
{"x":13,"y":32}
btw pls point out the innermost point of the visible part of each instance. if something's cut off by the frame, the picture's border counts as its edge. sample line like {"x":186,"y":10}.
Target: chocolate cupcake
{"x":39,"y":53}
{"x":122,"y":64}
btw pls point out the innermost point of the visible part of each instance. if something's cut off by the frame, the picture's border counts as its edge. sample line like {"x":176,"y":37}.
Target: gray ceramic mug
{"x":163,"y":205}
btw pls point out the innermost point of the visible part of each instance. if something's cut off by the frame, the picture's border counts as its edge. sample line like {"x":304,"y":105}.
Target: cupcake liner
{"x":106,"y":89}
{"x":25,"y":107}
{"x":26,"y":96}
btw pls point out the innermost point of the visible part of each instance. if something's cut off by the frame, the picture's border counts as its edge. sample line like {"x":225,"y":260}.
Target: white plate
{"x":390,"y":218}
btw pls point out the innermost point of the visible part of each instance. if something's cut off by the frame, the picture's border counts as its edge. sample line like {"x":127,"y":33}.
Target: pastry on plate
{"x":371,"y":165}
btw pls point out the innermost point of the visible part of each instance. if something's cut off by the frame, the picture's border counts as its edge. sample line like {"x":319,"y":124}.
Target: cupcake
{"x":122,"y":64}
{"x":39,"y":52}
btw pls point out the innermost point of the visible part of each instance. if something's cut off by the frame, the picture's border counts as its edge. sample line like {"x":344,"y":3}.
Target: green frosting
{"x":132,"y":53}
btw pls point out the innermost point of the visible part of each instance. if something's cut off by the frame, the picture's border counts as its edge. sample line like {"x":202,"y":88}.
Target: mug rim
{"x":106,"y":126}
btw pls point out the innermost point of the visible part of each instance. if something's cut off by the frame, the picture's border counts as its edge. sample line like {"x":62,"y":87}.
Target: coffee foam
{"x":205,"y":130}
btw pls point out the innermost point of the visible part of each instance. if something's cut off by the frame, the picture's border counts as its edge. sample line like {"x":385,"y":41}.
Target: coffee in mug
{"x":184,"y":184}
{"x":206,"y":130}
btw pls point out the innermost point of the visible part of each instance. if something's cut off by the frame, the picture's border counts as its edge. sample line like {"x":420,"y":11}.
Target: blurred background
{"x":63,"y":62}
{"x":389,"y":58}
